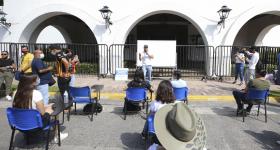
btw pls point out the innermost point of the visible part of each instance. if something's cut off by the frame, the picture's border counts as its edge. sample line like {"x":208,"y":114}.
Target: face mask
{"x":42,"y":56}
{"x":53,"y":52}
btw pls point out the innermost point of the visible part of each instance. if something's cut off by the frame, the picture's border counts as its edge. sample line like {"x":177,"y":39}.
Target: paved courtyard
{"x":109,"y":131}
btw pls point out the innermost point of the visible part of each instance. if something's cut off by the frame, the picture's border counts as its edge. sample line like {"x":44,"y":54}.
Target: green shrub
{"x":87,"y":68}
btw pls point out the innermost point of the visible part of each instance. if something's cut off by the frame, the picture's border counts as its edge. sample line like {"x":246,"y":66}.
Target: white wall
{"x":24,"y":15}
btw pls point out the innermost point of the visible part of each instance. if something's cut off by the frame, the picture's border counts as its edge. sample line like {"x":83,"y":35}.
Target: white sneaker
{"x":8,"y":97}
{"x":62,"y":137}
{"x":278,"y":142}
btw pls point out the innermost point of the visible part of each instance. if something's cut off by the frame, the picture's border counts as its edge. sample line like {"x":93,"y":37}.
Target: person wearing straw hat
{"x":177,"y":127}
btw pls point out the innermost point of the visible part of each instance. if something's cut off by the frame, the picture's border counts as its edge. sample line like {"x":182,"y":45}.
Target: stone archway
{"x":72,"y":28}
{"x":255,"y":29}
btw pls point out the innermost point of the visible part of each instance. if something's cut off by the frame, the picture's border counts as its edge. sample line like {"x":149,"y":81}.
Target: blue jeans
{"x":44,"y":89}
{"x":239,"y":70}
{"x":240,"y":97}
{"x":147,"y":69}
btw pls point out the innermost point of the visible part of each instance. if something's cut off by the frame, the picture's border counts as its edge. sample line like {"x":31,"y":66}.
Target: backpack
{"x":96,"y":106}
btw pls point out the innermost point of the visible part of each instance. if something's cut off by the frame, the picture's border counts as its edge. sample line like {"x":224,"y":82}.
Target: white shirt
{"x":178,"y":83}
{"x":155,"y":106}
{"x":37,"y":96}
{"x":146,"y":60}
{"x":254,"y":60}
{"x":237,"y":58}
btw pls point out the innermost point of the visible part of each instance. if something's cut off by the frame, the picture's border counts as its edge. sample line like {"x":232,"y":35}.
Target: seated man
{"x":259,"y":83}
{"x":177,"y":82}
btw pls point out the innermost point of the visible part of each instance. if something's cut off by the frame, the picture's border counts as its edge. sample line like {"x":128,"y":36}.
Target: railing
{"x":93,"y":57}
{"x":224,"y":64}
{"x":192,"y":60}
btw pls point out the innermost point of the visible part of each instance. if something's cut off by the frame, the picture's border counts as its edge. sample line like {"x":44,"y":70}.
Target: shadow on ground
{"x":231,"y":113}
{"x":36,"y":141}
{"x":119,"y":111}
{"x":225,"y":111}
{"x":132,"y":141}
{"x":267,"y":139}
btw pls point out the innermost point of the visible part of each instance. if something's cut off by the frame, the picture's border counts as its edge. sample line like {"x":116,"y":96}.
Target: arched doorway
{"x":253,"y":32}
{"x":52,"y":34}
{"x":191,"y":56}
{"x":269,"y":36}
{"x":77,"y":35}
{"x":165,"y":27}
{"x":73,"y":29}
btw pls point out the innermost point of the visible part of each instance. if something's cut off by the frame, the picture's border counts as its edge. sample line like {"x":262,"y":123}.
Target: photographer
{"x":252,"y":63}
{"x":7,"y":67}
{"x":73,"y":62}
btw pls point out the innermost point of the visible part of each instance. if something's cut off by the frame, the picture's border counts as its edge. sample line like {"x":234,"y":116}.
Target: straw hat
{"x":179,"y":128}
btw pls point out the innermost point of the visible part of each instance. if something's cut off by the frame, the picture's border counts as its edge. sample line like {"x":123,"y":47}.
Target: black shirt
{"x":60,"y":67}
{"x":6,"y":62}
{"x":140,"y":84}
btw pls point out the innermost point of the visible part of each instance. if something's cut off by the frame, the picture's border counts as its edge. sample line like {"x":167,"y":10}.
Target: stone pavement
{"x":198,"y":90}
{"x":109,"y":131}
{"x":196,"y":86}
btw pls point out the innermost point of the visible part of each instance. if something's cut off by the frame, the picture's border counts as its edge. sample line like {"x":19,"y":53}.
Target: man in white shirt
{"x":146,"y":58}
{"x":252,"y":64}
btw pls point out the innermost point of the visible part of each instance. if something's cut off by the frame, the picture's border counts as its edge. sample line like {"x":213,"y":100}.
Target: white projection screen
{"x":164,"y":52}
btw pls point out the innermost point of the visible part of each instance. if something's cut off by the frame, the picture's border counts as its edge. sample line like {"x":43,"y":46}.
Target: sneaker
{"x":8,"y":97}
{"x":62,"y":137}
{"x":234,"y":82}
{"x":241,"y":83}
{"x":278,"y":142}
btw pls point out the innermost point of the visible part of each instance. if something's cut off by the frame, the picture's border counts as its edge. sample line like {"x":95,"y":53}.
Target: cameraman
{"x":7,"y":67}
{"x":252,"y":62}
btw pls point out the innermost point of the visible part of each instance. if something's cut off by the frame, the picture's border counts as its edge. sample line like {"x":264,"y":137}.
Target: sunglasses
{"x":3,"y":54}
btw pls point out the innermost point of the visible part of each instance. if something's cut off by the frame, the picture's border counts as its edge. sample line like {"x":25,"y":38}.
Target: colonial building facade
{"x":188,"y":22}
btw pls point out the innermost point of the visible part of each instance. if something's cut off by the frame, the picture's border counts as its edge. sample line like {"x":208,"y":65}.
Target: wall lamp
{"x":223,"y":12}
{"x":3,"y":20}
{"x":106,"y":14}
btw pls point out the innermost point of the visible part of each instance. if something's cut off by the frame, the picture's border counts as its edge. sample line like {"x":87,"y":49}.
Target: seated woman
{"x":27,"y":97}
{"x":138,"y":82}
{"x":164,"y":96}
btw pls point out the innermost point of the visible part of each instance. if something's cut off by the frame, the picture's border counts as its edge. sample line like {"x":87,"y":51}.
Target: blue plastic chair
{"x":27,"y":119}
{"x":135,"y":95}
{"x":82,"y":95}
{"x":181,"y":94}
{"x":256,"y":97}
{"x":151,"y":130}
